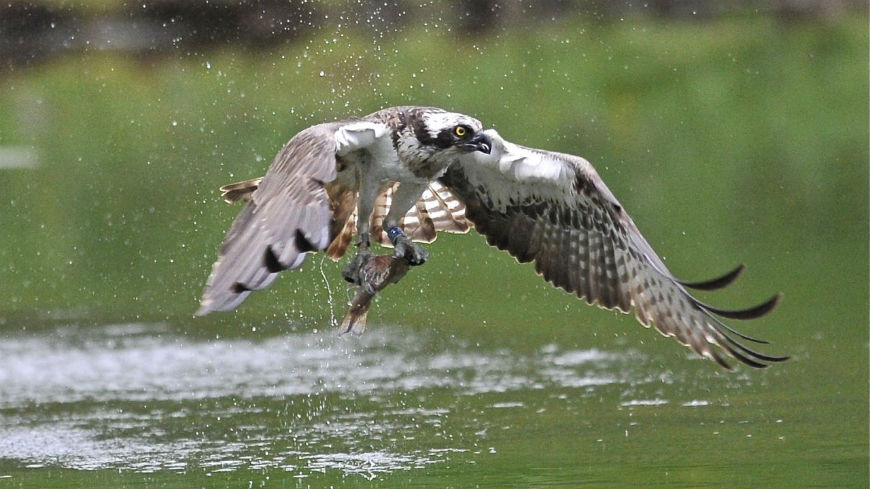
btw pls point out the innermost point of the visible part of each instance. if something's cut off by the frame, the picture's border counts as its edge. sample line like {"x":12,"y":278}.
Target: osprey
{"x":401,"y":174}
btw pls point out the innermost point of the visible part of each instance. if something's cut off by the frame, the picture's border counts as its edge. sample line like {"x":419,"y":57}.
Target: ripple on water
{"x":126,"y":396}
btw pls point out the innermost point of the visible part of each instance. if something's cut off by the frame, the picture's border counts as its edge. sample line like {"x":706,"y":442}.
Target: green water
{"x":148,"y":405}
{"x":742,"y":140}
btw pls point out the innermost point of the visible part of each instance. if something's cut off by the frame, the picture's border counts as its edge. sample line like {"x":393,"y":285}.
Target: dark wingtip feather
{"x":755,"y":354}
{"x":749,"y":313}
{"x":716,"y":357}
{"x":716,"y":283}
{"x":740,"y":357}
{"x":733,"y":331}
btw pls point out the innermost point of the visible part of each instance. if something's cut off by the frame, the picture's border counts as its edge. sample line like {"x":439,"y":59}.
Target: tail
{"x":354,"y":321}
{"x":234,"y":192}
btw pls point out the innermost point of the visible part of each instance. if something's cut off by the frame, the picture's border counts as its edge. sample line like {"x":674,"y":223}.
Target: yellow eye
{"x":460,"y":131}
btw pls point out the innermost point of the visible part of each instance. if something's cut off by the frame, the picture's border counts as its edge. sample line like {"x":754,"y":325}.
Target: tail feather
{"x":234,"y":192}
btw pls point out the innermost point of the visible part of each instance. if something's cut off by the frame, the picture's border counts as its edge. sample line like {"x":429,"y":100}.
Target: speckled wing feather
{"x":287,"y":213}
{"x":554,"y":210}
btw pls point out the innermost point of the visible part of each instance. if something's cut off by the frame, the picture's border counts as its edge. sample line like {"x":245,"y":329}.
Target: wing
{"x":554,"y":210}
{"x":288,"y":212}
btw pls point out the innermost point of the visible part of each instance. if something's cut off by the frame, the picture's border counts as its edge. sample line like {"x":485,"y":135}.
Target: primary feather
{"x":554,"y":210}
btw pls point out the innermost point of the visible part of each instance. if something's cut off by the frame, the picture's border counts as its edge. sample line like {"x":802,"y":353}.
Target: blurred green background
{"x":735,"y":137}
{"x":726,"y":139}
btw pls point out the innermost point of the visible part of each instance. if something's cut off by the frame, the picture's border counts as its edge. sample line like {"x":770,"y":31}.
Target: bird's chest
{"x":428,"y":168}
{"x":392,"y":168}
{"x":377,"y":165}
{"x":422,"y":162}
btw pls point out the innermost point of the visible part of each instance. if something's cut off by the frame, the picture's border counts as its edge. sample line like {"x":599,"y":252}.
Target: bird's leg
{"x":368,"y":193}
{"x":405,"y":196}
{"x":351,"y":271}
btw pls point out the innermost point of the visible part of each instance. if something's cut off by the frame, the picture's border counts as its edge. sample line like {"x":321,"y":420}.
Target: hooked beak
{"x":480,"y":142}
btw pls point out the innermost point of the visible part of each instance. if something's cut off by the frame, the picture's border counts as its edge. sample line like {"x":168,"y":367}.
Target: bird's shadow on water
{"x":144,"y":397}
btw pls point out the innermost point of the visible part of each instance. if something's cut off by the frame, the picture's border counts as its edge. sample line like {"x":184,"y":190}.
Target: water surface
{"x":132,"y":403}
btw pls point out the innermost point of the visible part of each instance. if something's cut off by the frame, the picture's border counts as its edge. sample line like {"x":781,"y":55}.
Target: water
{"x":133,"y":404}
{"x":110,"y":392}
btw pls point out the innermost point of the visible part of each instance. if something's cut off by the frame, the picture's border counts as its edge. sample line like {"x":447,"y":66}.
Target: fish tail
{"x":355,"y":319}
{"x":359,"y":326}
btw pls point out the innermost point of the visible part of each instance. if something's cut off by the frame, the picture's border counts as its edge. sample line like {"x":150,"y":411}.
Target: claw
{"x":411,"y":251}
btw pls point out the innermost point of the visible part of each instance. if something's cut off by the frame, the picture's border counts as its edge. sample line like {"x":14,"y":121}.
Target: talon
{"x":410,"y":251}
{"x":364,"y":242}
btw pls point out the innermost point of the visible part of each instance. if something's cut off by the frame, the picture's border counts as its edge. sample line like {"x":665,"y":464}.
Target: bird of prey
{"x":401,"y":174}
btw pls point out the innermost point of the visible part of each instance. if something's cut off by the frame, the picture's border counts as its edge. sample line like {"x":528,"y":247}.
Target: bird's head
{"x":498,"y":149}
{"x":442,"y":130}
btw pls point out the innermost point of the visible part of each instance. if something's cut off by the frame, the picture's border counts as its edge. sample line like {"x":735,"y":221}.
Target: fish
{"x":369,"y":273}
{"x":376,"y":272}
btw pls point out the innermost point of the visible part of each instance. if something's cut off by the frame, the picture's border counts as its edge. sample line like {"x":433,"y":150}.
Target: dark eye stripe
{"x":445,"y":139}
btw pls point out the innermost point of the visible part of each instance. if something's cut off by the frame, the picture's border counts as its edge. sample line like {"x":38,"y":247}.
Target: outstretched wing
{"x":554,"y":209}
{"x":287,"y":213}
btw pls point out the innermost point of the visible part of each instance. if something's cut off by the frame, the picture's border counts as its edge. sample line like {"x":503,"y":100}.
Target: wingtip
{"x":718,"y":282}
{"x":202,"y":311}
{"x":753,"y":312}
{"x":751,"y":357}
